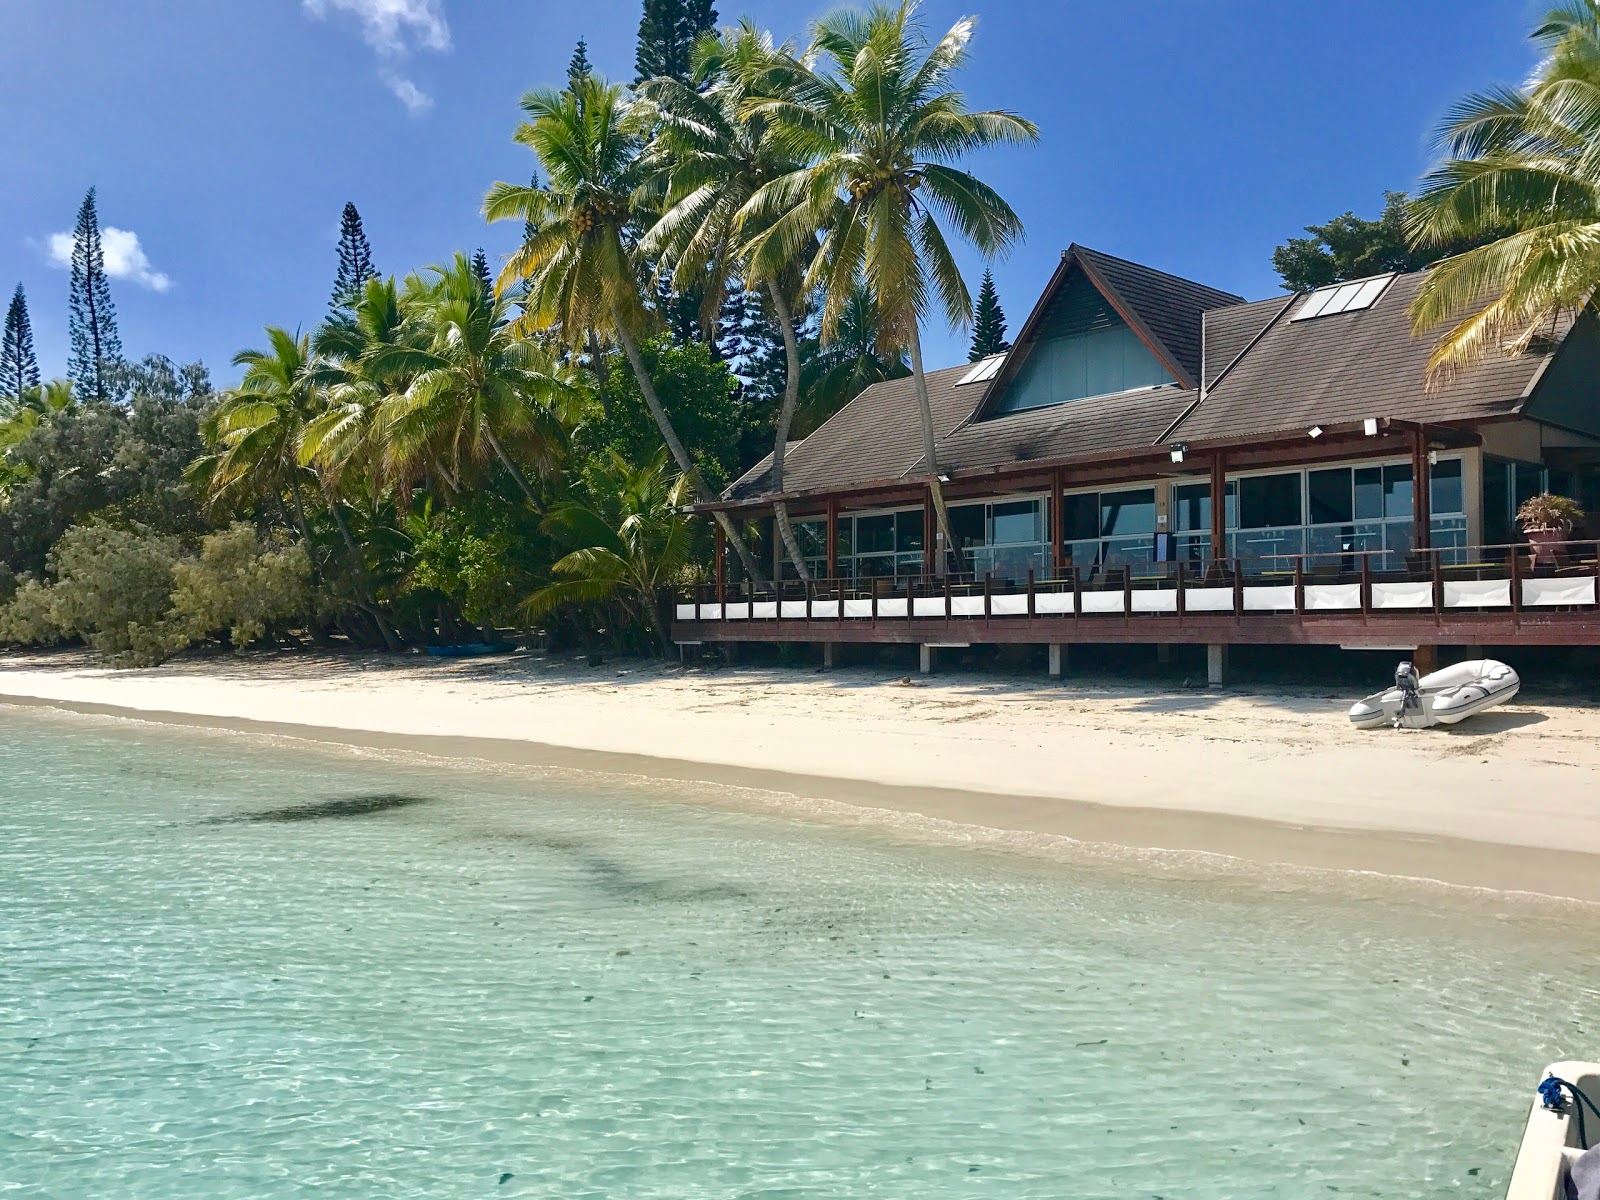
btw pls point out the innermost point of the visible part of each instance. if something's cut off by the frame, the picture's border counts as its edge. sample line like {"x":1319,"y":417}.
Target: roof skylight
{"x":1343,"y":297}
{"x":984,"y":371}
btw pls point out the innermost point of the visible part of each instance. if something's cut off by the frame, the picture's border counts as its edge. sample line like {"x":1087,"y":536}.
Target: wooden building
{"x":1159,"y":461}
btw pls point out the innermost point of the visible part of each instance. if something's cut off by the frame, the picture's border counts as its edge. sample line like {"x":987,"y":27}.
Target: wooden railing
{"x":1552,"y":577}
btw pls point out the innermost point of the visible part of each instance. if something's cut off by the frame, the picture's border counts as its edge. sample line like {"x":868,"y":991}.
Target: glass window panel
{"x":874,"y":566}
{"x":1127,"y":513}
{"x":875,"y":534}
{"x":908,"y":530}
{"x":966,"y":524}
{"x":1369,"y":493}
{"x":1332,"y":501}
{"x":1267,"y":501}
{"x":1313,"y":306}
{"x":1444,"y":487}
{"x":1191,"y":506}
{"x":1015,"y":521}
{"x":1397,"y":490}
{"x":1562,"y":483}
{"x":812,"y":537}
{"x":1497,"y":505}
{"x":1530,"y":482}
{"x":1369,"y":293}
{"x":1341,"y":298}
{"x":1080,"y":516}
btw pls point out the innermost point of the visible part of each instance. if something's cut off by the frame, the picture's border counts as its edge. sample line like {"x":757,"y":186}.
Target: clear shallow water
{"x":234,"y":968}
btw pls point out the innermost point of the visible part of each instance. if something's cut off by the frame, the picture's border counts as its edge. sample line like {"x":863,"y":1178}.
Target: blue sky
{"x":225,"y":137}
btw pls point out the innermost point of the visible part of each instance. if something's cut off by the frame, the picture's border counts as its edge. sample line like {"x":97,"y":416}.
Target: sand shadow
{"x":322,"y":810}
{"x":1486,"y":724}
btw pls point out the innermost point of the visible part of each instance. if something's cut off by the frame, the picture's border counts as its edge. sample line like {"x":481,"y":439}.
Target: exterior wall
{"x":1568,"y":394}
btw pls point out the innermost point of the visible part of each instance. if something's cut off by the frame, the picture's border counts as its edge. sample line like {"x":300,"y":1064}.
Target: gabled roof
{"x":1163,"y":310}
{"x":1343,"y":368}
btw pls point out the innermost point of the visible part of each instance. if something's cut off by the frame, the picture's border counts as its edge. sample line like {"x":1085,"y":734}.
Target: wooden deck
{"x":1479,"y":602}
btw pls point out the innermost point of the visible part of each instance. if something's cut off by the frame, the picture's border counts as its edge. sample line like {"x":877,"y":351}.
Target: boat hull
{"x":1448,"y":696}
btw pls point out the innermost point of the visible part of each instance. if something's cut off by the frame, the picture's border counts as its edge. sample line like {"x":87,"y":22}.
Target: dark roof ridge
{"x":1184,"y":279}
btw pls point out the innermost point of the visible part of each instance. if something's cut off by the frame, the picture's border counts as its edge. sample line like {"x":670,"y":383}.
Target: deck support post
{"x":1058,"y":659}
{"x":829,"y":651}
{"x":1425,"y":659}
{"x":927,"y":664}
{"x":1216,"y":665}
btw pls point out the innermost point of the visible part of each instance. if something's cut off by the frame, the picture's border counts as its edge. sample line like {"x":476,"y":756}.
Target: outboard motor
{"x":1410,"y":685}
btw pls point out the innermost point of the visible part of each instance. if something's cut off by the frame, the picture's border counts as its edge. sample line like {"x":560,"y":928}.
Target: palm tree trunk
{"x":930,"y":455}
{"x":680,"y":455}
{"x":515,"y":471}
{"x":791,"y":397}
{"x":597,"y":360}
{"x":390,"y":638}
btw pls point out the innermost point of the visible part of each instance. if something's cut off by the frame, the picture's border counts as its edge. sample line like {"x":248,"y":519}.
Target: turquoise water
{"x":237,"y":968}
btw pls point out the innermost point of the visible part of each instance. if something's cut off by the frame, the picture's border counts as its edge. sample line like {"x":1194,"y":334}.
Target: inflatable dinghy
{"x":1442,"y":698}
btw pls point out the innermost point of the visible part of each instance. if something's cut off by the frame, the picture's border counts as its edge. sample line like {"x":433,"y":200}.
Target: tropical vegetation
{"x":712,"y":261}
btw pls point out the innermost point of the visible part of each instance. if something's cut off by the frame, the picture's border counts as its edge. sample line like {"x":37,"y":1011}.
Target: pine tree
{"x":480,"y":267}
{"x":578,"y":65}
{"x":988,"y":323}
{"x":355,"y":261}
{"x":91,"y":317}
{"x":667,"y":30}
{"x":19,"y":369}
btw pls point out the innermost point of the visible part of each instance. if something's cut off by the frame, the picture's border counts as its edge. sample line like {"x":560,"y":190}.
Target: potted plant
{"x":1547,"y":520}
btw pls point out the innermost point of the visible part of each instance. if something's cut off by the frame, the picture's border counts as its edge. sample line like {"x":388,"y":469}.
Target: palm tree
{"x":1525,"y":160}
{"x":256,"y":429}
{"x":630,"y":541}
{"x":712,"y":154}
{"x":873,"y":112}
{"x":840,"y":371}
{"x":582,"y":265}
{"x":474,"y":385}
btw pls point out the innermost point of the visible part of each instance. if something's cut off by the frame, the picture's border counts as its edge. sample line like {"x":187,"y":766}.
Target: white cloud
{"x":392,"y":27}
{"x":124,"y":257}
{"x":414,"y":98}
{"x":395,"y":29}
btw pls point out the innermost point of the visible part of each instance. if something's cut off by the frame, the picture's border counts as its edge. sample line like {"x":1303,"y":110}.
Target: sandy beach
{"x":1506,"y":801}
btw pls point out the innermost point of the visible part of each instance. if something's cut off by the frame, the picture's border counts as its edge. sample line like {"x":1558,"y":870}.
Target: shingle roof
{"x":1169,"y":305}
{"x":1099,"y":425}
{"x":1327,"y":370}
{"x":1344,"y":368}
{"x":1229,"y":330}
{"x":876,"y":438}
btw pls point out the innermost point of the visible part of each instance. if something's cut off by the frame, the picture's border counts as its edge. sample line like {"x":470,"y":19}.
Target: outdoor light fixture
{"x":1178,"y":450}
{"x":1433,"y":458}
{"x":943,"y":478}
{"x":1315,"y":431}
{"x":1370,"y":427}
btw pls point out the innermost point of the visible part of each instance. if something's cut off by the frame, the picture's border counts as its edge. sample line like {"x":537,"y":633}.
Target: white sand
{"x":1507,"y":800}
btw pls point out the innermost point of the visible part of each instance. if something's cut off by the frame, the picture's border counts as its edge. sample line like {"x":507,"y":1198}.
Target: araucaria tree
{"x":91,"y":319}
{"x":355,"y":262}
{"x":988,"y":322}
{"x":667,"y":33}
{"x":578,"y":65}
{"x":874,"y":113}
{"x":19,"y":369}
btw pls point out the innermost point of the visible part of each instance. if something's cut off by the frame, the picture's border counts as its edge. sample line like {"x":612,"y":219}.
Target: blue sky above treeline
{"x":225,"y":139}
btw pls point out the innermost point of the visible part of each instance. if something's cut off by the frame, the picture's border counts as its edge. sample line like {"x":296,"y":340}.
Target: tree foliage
{"x":667,"y":32}
{"x":988,"y":322}
{"x":91,"y":317}
{"x":355,"y":261}
{"x":19,"y":366}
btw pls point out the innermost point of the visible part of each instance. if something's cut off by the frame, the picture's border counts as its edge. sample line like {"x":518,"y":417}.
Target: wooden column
{"x":1055,"y":528}
{"x":1421,"y":492}
{"x":833,"y":539}
{"x":719,"y":560}
{"x":1219,"y":509}
{"x":930,"y":524}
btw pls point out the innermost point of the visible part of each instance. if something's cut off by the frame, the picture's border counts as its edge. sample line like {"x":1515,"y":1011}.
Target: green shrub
{"x":239,"y":586}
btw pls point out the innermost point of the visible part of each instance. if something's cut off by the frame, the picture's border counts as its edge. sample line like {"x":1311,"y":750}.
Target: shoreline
{"x":1255,"y":811}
